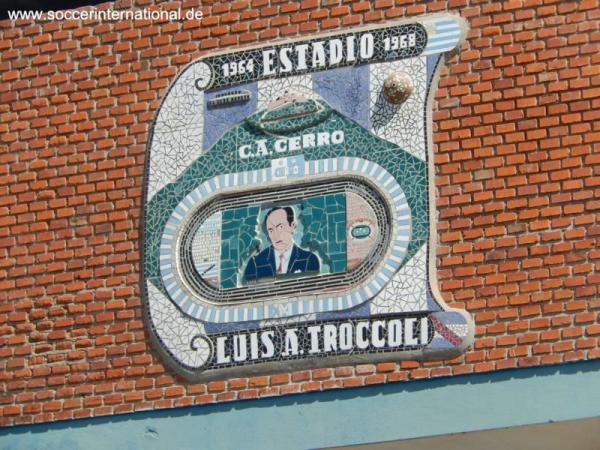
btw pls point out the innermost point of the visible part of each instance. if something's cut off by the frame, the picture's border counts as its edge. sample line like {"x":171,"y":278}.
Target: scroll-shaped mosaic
{"x":289,"y":206}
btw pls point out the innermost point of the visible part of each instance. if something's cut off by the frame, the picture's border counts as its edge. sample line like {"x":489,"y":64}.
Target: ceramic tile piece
{"x":401,"y":124}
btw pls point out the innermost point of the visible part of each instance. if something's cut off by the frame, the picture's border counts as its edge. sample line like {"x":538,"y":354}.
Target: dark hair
{"x":289,"y":212}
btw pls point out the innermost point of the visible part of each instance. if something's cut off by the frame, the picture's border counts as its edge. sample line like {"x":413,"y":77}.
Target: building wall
{"x":375,"y":413}
{"x":517,"y":168}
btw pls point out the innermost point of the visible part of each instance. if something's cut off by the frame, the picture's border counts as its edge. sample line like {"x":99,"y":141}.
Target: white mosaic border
{"x":178,"y":133}
{"x":182,"y":335}
{"x":404,"y":124}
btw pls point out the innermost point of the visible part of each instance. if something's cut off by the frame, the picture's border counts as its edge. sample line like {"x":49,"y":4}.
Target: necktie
{"x":280,"y":266}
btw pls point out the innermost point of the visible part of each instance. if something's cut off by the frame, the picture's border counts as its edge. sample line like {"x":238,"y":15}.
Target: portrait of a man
{"x":283,"y":256}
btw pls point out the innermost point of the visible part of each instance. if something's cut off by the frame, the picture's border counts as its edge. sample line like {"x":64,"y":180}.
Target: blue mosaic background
{"x":218,"y":120}
{"x":344,"y":90}
{"x":324,"y":218}
{"x":238,"y":236}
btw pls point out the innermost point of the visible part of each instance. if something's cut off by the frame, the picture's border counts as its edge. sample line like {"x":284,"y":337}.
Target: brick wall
{"x":516,"y":133}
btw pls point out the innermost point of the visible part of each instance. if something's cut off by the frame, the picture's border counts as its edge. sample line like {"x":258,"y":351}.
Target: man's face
{"x":280,"y":231}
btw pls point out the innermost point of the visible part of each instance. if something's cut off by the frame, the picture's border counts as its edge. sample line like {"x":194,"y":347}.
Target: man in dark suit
{"x":283,"y":256}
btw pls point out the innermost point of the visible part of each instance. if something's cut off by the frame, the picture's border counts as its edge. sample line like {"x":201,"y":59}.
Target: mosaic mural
{"x":288,"y":211}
